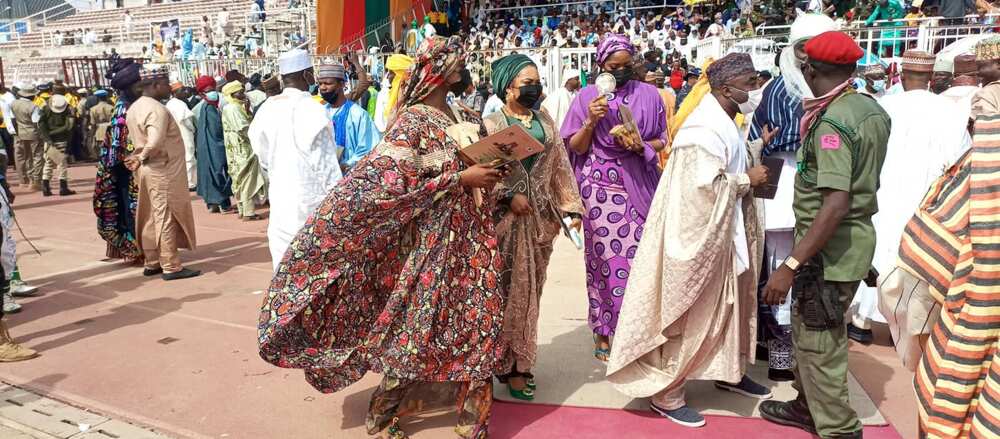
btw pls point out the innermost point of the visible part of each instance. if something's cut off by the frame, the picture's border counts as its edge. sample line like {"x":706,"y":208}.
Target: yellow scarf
{"x":400,"y":65}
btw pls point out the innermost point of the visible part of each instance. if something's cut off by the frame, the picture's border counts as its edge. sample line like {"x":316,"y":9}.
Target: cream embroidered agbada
{"x":689,"y":311}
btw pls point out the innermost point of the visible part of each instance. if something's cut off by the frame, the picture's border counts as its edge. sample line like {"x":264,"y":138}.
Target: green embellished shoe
{"x":527,"y":394}
{"x":529,"y":380}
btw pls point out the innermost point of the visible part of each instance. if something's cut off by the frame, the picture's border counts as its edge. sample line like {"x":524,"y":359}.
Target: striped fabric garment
{"x":953,"y":243}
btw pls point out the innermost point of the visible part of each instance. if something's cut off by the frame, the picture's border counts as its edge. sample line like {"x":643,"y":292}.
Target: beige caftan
{"x":164,"y":220}
{"x":526,"y":241}
{"x":689,"y":311}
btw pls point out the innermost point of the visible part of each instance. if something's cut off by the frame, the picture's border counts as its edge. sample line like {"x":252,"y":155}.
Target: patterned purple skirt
{"x":611,"y":228}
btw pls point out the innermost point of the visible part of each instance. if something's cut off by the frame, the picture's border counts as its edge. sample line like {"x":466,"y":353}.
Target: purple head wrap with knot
{"x":612,"y":43}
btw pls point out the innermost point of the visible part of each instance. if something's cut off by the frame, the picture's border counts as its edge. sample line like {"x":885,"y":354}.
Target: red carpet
{"x":544,"y":421}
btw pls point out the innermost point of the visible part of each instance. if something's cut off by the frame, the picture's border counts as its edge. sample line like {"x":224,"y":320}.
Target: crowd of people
{"x":727,"y":213}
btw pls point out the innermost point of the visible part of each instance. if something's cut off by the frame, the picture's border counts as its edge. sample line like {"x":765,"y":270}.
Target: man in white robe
{"x":177,"y":105}
{"x":293,"y":141}
{"x":965,"y":84}
{"x":689,"y":310}
{"x":922,"y":145}
{"x":557,"y":104}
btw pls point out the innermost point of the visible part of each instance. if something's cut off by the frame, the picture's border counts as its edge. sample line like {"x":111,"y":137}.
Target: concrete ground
{"x":181,"y":357}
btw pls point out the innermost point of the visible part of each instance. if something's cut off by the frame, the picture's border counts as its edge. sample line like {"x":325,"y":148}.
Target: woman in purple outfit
{"x":617,"y":180}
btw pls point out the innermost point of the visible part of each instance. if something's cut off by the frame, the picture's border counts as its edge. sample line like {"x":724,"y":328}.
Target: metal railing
{"x":37,"y":20}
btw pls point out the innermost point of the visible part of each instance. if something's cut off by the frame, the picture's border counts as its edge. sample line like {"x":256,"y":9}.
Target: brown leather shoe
{"x":789,"y":413}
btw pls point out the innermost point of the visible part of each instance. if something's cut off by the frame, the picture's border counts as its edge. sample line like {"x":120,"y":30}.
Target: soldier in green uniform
{"x":843,"y":147}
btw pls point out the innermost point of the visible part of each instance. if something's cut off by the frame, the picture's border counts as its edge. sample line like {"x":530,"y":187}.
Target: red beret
{"x":834,"y":47}
{"x":204,"y":83}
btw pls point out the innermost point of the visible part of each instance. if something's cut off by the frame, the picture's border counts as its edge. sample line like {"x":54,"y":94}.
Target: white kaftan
{"x":293,"y":140}
{"x":922,"y":145}
{"x":185,"y":121}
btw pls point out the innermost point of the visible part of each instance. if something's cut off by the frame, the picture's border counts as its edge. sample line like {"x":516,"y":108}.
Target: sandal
{"x":526,"y":394}
{"x":394,"y":432}
{"x":253,"y":217}
{"x":529,"y":379}
{"x":602,"y":354}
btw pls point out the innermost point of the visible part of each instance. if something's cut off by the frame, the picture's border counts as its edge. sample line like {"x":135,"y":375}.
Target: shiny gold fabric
{"x":688,"y":314}
{"x":526,"y":241}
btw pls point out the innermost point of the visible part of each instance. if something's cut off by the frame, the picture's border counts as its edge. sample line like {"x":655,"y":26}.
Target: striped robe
{"x":953,"y":243}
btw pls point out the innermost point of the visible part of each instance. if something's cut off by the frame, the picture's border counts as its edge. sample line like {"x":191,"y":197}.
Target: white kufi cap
{"x":569,"y":73}
{"x":292,"y":61}
{"x":810,"y":25}
{"x":944,"y":63}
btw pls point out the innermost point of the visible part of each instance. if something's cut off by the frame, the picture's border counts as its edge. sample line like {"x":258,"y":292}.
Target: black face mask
{"x":528,"y":95}
{"x":623,"y":75}
{"x":458,"y":88}
{"x":330,"y":97}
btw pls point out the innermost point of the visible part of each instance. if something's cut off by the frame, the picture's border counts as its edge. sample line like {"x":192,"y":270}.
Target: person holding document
{"x":397,"y":270}
{"x":539,"y":191}
{"x":617,"y":178}
{"x":690,"y":309}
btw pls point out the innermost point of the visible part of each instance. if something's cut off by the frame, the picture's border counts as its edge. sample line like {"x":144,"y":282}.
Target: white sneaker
{"x":21,"y":289}
{"x":9,"y":305}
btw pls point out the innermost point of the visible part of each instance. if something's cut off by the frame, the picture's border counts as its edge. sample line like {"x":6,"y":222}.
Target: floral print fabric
{"x":396,"y":272}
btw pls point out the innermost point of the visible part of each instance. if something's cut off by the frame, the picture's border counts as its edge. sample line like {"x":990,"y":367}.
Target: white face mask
{"x":753,"y":100}
{"x":878,"y":85}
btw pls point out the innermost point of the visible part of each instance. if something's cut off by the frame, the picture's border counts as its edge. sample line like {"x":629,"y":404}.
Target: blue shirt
{"x":780,"y":110}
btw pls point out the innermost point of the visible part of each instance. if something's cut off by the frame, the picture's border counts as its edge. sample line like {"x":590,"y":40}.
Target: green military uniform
{"x":842,"y":150}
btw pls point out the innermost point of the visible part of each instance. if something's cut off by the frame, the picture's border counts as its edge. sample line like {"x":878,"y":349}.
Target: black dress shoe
{"x":152,"y":271}
{"x":863,"y":336}
{"x":778,"y":375}
{"x":183,"y":274}
{"x":789,"y":413}
{"x":214,"y":209}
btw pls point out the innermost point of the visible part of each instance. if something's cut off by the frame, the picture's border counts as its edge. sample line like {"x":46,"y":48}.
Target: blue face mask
{"x":212,"y":96}
{"x":878,"y":85}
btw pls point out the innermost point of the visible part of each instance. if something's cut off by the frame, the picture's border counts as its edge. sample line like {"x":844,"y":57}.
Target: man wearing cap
{"x":44,"y":93}
{"x":164,"y":221}
{"x":557,"y":103}
{"x":780,"y":112}
{"x":214,"y":182}
{"x":177,"y":105}
{"x":987,"y":100}
{"x":843,"y":147}
{"x":99,"y":119}
{"x":55,"y":127}
{"x":944,"y":72}
{"x":874,"y":77}
{"x":354,"y":130}
{"x":293,"y":139}
{"x":922,"y":145}
{"x":28,"y":152}
{"x":706,"y":293}
{"x":965,"y":83}
{"x":249,"y":184}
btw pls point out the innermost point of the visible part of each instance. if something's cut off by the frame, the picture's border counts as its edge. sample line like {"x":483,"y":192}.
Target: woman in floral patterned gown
{"x":397,"y":272}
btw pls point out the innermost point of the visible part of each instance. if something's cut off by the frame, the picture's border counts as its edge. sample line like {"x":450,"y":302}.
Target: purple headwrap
{"x":123,"y":73}
{"x":612,"y":43}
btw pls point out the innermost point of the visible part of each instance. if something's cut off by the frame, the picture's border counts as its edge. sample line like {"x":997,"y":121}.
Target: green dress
{"x":248,"y":180}
{"x":536,"y":131}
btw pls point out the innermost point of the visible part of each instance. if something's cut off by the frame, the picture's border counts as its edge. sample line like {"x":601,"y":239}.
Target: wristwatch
{"x":792,"y":263}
